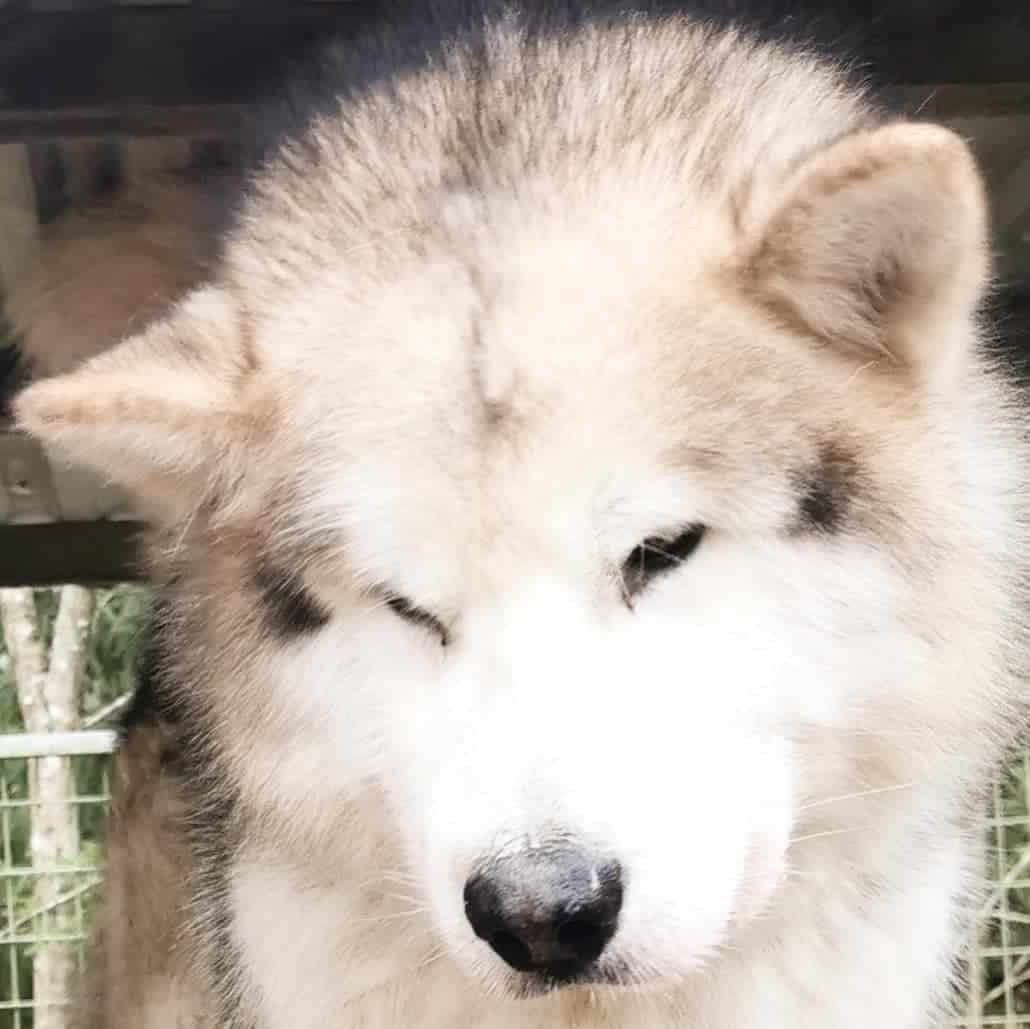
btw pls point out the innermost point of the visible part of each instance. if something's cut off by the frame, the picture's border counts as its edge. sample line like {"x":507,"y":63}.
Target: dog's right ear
{"x":879,"y":245}
{"x":167,"y":414}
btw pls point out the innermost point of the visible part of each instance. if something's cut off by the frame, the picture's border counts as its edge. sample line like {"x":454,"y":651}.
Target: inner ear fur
{"x":878,"y":244}
{"x":164,"y":414}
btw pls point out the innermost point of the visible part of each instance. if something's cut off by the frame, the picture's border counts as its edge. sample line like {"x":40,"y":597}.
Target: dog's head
{"x":609,"y":525}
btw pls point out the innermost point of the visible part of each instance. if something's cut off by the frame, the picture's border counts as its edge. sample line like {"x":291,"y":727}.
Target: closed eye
{"x":656,"y":556}
{"x":403,"y":608}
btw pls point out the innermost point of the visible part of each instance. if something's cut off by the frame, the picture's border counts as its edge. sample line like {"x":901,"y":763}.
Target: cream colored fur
{"x":474,"y":338}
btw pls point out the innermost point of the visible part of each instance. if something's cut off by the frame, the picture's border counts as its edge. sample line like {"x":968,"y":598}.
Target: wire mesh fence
{"x":999,"y":964}
{"x":46,"y":909}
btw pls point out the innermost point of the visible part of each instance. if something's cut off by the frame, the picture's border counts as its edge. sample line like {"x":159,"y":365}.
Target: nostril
{"x":552,"y":911}
{"x":582,"y":937}
{"x":512,"y":950}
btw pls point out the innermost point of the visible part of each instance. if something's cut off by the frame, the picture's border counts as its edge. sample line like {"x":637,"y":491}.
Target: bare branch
{"x":68,"y":657}
{"x":25,"y":646}
{"x":55,"y":830}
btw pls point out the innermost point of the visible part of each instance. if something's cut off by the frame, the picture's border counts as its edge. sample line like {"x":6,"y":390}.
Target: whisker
{"x":405,"y":898}
{"x":857,"y":795}
{"x":390,"y":916}
{"x":823,"y":834}
{"x":431,"y":958}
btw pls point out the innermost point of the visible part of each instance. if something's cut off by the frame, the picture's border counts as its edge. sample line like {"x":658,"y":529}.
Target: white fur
{"x":665,"y":736}
{"x":609,"y":333}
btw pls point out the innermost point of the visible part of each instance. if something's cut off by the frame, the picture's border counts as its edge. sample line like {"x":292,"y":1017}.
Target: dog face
{"x":600,"y":556}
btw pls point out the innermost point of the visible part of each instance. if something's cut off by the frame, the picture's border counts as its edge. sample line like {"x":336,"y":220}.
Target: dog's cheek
{"x":699,"y":861}
{"x":775,"y":811}
{"x":430,"y":781}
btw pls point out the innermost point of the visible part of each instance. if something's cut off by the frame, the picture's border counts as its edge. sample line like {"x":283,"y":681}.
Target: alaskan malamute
{"x":590,"y":539}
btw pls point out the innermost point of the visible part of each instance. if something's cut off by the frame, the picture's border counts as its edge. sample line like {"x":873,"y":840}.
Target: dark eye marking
{"x":657,"y":555}
{"x":826,"y":491}
{"x":403,"y":608}
{"x":290,"y":608}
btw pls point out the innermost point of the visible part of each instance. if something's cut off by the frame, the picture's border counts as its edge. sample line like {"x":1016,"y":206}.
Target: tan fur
{"x":139,"y":964}
{"x":458,"y":319}
{"x":824,"y":255}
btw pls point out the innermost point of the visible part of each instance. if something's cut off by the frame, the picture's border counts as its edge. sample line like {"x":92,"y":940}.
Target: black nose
{"x":549,"y":910}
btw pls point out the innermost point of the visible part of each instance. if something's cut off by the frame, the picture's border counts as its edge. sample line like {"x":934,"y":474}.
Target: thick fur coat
{"x":583,"y":444}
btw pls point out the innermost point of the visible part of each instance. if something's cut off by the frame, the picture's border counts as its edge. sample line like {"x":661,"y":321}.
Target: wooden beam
{"x":57,"y":553}
{"x":117,"y":121}
{"x":19,"y":231}
{"x":223,"y":119}
{"x":194,"y":69}
{"x":121,"y":71}
{"x":35,"y":489}
{"x":1012,"y":204}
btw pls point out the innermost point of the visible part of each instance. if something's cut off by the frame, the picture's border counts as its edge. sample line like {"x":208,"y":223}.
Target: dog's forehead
{"x":500,"y":337}
{"x":527,"y":396}
{"x":457,"y":355}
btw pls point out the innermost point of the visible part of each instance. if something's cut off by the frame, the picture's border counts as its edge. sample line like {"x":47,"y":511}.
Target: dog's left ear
{"x":169,"y":414}
{"x":879,"y":243}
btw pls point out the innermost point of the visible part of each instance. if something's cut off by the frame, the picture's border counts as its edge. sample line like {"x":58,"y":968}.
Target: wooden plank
{"x":27,"y":492}
{"x":88,"y":553}
{"x":19,"y":229}
{"x":119,"y":120}
{"x":193,"y":70}
{"x":34,"y":488}
{"x":216,"y":119}
{"x":19,"y":241}
{"x":150,"y":70}
{"x":1012,"y":204}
